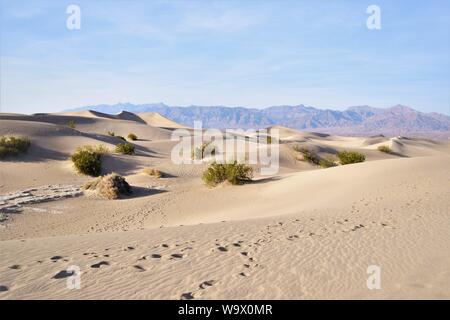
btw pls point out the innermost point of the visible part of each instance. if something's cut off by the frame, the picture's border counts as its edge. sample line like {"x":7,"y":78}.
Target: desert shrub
{"x":88,"y":160}
{"x":111,"y":186}
{"x":152,"y":172}
{"x":132,"y":137}
{"x":327,"y":162}
{"x":235,"y":173}
{"x":385,"y":149}
{"x":349,"y":157}
{"x":308,"y":155}
{"x":125,"y":148}
{"x":71,"y":124}
{"x":111,"y":133}
{"x":12,"y":146}
{"x":200,"y":152}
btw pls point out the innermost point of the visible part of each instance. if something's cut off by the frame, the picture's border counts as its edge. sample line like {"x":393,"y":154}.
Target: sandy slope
{"x":304,"y":233}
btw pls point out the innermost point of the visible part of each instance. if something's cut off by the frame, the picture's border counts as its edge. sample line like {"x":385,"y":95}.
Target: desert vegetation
{"x":307,"y":155}
{"x":152,"y":172}
{"x":125,"y":148}
{"x":71,"y":124}
{"x":234,"y":172}
{"x":132,"y":137}
{"x":385,"y":149}
{"x":12,"y":146}
{"x":327,"y":162}
{"x":349,"y":157}
{"x":111,"y":186}
{"x":88,"y":159}
{"x":111,"y":133}
{"x":205,"y":149}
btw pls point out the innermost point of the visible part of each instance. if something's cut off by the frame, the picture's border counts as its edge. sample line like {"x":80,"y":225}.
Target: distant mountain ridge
{"x":359,"y":120}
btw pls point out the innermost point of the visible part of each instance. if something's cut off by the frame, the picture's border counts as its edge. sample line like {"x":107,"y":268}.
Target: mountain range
{"x":359,"y":120}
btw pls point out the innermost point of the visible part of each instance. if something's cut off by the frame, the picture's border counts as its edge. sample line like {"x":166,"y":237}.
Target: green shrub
{"x":12,"y":146}
{"x":71,"y":124}
{"x":308,"y":155}
{"x":88,"y":160}
{"x":111,"y":133}
{"x":125,"y":148}
{"x":235,"y":173}
{"x":132,"y":136}
{"x":385,"y":149}
{"x":327,"y":162}
{"x":349,"y":157}
{"x":111,"y":186}
{"x":200,"y":152}
{"x":152,"y":172}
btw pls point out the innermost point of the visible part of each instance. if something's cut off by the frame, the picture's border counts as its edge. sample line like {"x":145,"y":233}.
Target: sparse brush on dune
{"x":327,"y":162}
{"x":132,"y":136}
{"x":125,"y":148}
{"x":307,"y":155}
{"x":152,"y":172}
{"x":349,"y":157}
{"x":205,"y":149}
{"x":235,"y":173}
{"x":71,"y":124}
{"x":111,"y":133}
{"x":88,"y":159}
{"x":111,"y":186}
{"x":385,"y":149}
{"x":12,"y":146}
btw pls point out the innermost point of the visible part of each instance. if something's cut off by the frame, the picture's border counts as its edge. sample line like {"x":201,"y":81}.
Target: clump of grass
{"x":385,"y":149}
{"x":308,"y":155}
{"x":132,"y":136}
{"x":111,"y":133}
{"x":327,"y":162}
{"x":71,"y":124}
{"x":152,"y":172}
{"x":111,"y":186}
{"x":125,"y":148}
{"x":349,"y":157}
{"x":88,"y":159}
{"x":12,"y":146}
{"x":200,"y":152}
{"x":235,"y":173}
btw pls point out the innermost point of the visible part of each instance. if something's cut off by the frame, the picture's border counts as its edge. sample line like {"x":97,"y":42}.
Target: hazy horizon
{"x":251,"y":54}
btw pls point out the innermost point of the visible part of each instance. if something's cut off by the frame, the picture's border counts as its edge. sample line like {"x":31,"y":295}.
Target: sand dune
{"x":303,"y":233}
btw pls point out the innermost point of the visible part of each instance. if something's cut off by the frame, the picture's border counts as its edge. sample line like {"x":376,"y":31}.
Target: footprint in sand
{"x":15,"y":267}
{"x":176,"y":256}
{"x":3,"y":288}
{"x":223,"y":249}
{"x":187,"y":296}
{"x":56,"y":258}
{"x":139,"y":268}
{"x":206,"y":284}
{"x":101,"y":263}
{"x":156,"y":256}
{"x":63,"y":274}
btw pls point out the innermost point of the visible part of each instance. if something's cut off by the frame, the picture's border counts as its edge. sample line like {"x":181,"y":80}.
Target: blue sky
{"x":253,"y":53}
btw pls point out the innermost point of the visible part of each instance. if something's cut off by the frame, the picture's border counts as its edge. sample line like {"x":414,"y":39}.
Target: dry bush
{"x":308,"y":155}
{"x":88,"y":159}
{"x":235,"y":173}
{"x":111,"y":186}
{"x":385,"y":149}
{"x":12,"y":146}
{"x":349,"y":157}
{"x":132,"y":136}
{"x":125,"y":148}
{"x":205,"y":149}
{"x":152,"y":172}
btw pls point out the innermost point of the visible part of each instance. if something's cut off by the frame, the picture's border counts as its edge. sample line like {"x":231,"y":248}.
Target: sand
{"x":304,"y":233}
